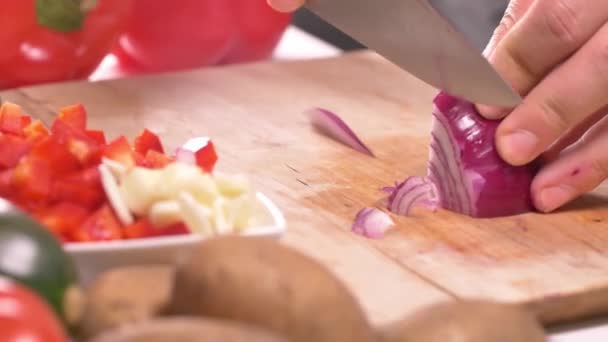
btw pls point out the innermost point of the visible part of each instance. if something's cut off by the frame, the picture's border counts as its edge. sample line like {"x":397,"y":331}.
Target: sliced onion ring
{"x":372,"y":223}
{"x":333,"y":126}
{"x":413,"y":192}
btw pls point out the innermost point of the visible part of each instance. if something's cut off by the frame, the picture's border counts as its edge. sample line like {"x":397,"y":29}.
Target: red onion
{"x":333,"y":126}
{"x":411,"y":193}
{"x":465,"y":172}
{"x":372,"y":223}
{"x":187,"y":152}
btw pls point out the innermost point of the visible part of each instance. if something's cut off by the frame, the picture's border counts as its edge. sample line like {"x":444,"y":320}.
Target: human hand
{"x":555,"y":54}
{"x":286,"y":5}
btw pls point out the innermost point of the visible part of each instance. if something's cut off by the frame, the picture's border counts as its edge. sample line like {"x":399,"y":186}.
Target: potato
{"x":188,"y":329}
{"x":261,"y":282}
{"x":125,"y":295}
{"x":467,"y":321}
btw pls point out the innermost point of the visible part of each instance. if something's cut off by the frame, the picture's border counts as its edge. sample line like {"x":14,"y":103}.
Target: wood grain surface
{"x":254,"y":114}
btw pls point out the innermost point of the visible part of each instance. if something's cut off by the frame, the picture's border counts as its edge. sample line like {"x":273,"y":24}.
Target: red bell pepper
{"x":166,"y":35}
{"x":26,"y":316}
{"x":55,"y":40}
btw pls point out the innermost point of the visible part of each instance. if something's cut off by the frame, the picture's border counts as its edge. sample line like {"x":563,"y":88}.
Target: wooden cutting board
{"x":254,"y":114}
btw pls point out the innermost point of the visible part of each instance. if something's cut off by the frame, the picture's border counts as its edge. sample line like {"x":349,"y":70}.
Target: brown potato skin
{"x":262,"y":282}
{"x":467,"y":321}
{"x":124,"y":296}
{"x":188,"y":329}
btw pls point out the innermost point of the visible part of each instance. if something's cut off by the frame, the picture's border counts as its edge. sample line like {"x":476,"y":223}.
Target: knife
{"x":422,"y":38}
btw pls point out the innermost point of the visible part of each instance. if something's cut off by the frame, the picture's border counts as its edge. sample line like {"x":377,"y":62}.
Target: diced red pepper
{"x":174,"y":229}
{"x":55,"y":155}
{"x":78,"y":142}
{"x":62,"y":218}
{"x":12,"y":119}
{"x":139,"y":229}
{"x":206,"y":157}
{"x":12,"y":149}
{"x":35,"y":131}
{"x":102,"y":225}
{"x":32,"y":180}
{"x":156,"y":160}
{"x":143,"y":228}
{"x":120,"y":150}
{"x":6,"y":183}
{"x":82,"y":187}
{"x":75,"y":116}
{"x":98,"y":136}
{"x":147,"y":141}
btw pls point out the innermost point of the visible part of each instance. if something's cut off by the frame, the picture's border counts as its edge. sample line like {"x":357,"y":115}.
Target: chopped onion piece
{"x":187,"y":152}
{"x":114,"y":197}
{"x":333,"y":126}
{"x":372,"y":223}
{"x":411,"y":193}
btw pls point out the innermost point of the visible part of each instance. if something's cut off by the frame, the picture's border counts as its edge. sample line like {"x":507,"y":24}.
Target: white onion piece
{"x":110,"y":187}
{"x":372,"y":223}
{"x":333,"y":126}
{"x":411,"y":193}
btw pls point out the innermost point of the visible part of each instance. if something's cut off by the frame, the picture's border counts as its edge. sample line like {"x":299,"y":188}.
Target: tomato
{"x":47,"y":41}
{"x":102,"y":225}
{"x":26,"y":317}
{"x":196,"y":33}
{"x":120,"y":150}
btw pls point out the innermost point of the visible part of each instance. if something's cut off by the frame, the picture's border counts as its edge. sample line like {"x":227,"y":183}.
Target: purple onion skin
{"x":505,"y":190}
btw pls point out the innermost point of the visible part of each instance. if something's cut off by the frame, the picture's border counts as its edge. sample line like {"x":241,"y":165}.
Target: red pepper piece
{"x":147,"y":141}
{"x":35,"y":131}
{"x":97,"y":135}
{"x":12,"y":149}
{"x":62,"y":218}
{"x":12,"y":119}
{"x":120,"y":150}
{"x":206,"y":157}
{"x":102,"y":225}
{"x":82,"y":187}
{"x":75,"y":116}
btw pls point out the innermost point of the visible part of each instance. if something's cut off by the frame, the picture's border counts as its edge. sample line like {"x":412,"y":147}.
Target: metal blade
{"x":414,"y":36}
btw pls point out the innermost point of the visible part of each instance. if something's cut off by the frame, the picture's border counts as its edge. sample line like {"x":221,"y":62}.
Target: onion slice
{"x":413,"y":192}
{"x":372,"y":223}
{"x":333,"y":126}
{"x":187,"y":152}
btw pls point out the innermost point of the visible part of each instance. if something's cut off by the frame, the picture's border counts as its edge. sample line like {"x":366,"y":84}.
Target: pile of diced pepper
{"x":52,"y":173}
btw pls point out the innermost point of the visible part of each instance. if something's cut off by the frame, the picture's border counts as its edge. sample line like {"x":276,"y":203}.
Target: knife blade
{"x":413,"y":35}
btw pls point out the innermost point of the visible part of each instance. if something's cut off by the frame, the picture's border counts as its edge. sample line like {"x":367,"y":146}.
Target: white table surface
{"x":297,"y":44}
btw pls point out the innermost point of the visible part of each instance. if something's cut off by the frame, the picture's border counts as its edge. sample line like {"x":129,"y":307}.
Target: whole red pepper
{"x":167,"y":35}
{"x":24,"y":316}
{"x":55,"y":40}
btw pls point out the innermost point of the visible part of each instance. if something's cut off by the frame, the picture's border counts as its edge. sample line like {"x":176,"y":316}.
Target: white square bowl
{"x":92,"y":258}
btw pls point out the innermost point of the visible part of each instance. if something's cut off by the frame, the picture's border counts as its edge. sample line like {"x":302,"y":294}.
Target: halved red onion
{"x":372,"y":223}
{"x":470,"y":176}
{"x":413,"y":192}
{"x":465,"y":174}
{"x":333,"y":126}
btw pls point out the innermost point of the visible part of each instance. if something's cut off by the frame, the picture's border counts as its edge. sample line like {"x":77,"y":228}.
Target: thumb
{"x":514,"y":12}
